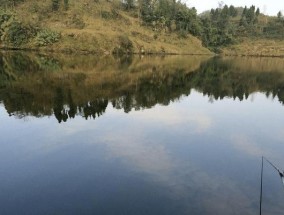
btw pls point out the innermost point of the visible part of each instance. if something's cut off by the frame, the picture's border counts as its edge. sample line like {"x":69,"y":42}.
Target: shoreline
{"x":251,"y":55}
{"x":91,"y":52}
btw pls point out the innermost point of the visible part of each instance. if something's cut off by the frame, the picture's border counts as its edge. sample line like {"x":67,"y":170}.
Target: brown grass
{"x":258,"y":47}
{"x":101,"y":35}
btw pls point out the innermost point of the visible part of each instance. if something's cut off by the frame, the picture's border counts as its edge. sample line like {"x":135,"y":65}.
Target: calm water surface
{"x":174,"y":135}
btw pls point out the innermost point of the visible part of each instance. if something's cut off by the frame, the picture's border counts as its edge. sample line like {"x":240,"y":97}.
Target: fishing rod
{"x":281,"y":174}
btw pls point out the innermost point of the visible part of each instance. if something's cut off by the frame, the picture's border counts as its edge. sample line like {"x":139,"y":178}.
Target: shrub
{"x":46,"y":37}
{"x":106,"y":15}
{"x":5,"y":16}
{"x":125,"y":42}
{"x":182,"y":34}
{"x":125,"y":45}
{"x":16,"y":33}
{"x":114,"y":14}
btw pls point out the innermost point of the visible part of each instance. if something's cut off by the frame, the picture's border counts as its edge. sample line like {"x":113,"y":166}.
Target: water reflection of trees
{"x":218,"y":79}
{"x":44,"y":86}
{"x":67,"y":109}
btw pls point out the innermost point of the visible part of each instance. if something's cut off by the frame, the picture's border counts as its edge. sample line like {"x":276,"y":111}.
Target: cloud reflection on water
{"x":176,"y":116}
{"x":245,"y":144}
{"x":187,"y":182}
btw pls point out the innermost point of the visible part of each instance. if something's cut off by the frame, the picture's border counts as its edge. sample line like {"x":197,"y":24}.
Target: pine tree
{"x":279,"y":15}
{"x":244,"y":12}
{"x":257,"y":12}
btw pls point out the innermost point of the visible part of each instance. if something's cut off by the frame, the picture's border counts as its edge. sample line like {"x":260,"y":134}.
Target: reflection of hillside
{"x":219,"y":78}
{"x":84,"y":85}
{"x":68,"y":86}
{"x":254,"y":64}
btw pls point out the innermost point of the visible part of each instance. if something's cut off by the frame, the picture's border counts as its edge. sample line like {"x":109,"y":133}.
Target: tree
{"x":147,"y":12}
{"x":130,"y":4}
{"x":257,"y":12}
{"x":250,"y":16}
{"x":243,"y":21}
{"x":279,"y":15}
{"x":233,"y":11}
{"x":225,"y":12}
{"x":244,"y":12}
{"x":215,"y":14}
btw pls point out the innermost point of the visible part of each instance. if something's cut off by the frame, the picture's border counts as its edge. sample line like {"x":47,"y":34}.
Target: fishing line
{"x":281,"y":174}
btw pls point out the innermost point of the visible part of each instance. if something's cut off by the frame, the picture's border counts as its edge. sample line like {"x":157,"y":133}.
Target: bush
{"x":114,"y":14}
{"x":46,"y":37}
{"x":16,"y":33}
{"x":106,"y":15}
{"x":182,"y":34}
{"x":125,"y":45}
{"x":5,"y":17}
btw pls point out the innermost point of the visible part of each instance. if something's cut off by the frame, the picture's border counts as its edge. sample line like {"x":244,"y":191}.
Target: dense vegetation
{"x":216,"y":28}
{"x":228,"y":25}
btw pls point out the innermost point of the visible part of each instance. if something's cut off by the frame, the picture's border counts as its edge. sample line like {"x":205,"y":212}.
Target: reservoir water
{"x":140,"y":135}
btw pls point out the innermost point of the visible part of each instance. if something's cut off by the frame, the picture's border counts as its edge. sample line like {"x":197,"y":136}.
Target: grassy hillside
{"x":88,"y":26}
{"x":256,"y":47}
{"x":138,"y":26}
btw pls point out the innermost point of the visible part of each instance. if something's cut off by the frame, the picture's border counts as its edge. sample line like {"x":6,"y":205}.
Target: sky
{"x":268,"y":7}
